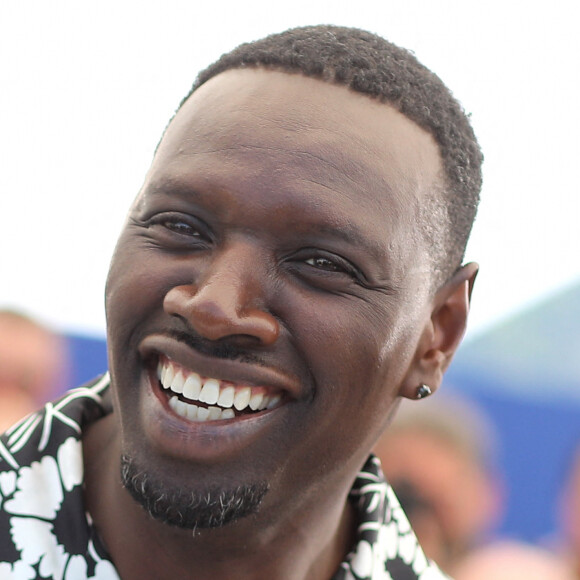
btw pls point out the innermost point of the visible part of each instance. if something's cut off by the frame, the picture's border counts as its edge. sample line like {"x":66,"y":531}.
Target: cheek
{"x":354,"y":340}
{"x":129,"y":295}
{"x":356,"y":364}
{"x":138,"y":280}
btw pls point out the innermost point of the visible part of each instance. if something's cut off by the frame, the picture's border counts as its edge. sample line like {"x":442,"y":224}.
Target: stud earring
{"x":422,"y":392}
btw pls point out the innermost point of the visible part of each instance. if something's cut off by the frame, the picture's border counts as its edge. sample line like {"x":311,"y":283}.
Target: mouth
{"x":196,"y":398}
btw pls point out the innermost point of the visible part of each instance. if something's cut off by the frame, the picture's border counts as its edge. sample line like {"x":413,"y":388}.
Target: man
{"x":290,"y":269}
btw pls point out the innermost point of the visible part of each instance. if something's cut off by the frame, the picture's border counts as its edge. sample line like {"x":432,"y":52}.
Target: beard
{"x":190,"y":509}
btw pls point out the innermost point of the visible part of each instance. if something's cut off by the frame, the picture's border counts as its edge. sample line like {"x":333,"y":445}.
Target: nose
{"x":227,"y":299}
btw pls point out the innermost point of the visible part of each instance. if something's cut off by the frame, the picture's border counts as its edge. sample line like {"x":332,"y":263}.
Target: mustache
{"x":224,"y":350}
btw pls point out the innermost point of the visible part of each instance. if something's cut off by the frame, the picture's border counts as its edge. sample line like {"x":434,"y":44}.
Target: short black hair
{"x":369,"y":64}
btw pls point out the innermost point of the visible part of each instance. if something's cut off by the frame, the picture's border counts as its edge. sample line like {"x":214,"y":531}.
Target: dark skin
{"x":277,"y":218}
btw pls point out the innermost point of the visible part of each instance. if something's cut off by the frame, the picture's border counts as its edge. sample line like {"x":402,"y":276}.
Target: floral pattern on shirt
{"x":46,"y":533}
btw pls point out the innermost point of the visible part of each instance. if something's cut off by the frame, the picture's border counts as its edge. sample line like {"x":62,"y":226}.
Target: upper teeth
{"x":210,"y":391}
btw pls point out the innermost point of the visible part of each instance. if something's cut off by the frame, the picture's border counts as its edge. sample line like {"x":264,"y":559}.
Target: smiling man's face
{"x":267,"y":296}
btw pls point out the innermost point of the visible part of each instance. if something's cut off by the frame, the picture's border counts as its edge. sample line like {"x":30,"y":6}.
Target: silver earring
{"x":423,"y":391}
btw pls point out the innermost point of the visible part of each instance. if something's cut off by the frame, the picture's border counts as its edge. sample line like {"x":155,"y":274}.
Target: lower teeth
{"x":199,"y":414}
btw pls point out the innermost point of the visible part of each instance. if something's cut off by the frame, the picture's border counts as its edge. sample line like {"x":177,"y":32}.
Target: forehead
{"x":281,"y":110}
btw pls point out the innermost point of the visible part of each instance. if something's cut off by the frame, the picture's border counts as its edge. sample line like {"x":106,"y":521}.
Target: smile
{"x":201,"y":399}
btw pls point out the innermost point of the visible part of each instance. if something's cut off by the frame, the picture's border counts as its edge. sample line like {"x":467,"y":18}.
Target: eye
{"x":318,"y":264}
{"x":179,"y":223}
{"x":180,"y":227}
{"x":325,"y":264}
{"x":176,"y":230}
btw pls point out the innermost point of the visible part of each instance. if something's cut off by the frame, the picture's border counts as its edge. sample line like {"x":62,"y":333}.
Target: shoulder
{"x":43,"y":526}
{"x":42,"y":433}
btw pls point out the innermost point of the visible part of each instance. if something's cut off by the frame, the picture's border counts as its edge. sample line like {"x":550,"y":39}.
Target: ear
{"x":442,"y":333}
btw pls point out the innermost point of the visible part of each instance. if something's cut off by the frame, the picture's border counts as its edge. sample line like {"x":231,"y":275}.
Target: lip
{"x":177,"y":437}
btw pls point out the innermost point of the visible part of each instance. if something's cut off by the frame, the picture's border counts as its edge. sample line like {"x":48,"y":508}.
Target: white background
{"x":87,"y":87}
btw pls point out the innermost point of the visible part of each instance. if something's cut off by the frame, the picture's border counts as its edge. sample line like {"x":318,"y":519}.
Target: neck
{"x":304,"y":539}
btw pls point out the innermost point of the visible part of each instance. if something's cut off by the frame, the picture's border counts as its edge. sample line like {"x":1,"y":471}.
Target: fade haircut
{"x":369,"y":64}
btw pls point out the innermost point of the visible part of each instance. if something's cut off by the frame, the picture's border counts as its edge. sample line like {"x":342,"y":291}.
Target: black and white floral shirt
{"x":46,"y":533}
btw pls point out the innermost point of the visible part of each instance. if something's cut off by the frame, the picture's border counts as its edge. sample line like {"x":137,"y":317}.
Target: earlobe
{"x":442,"y":333}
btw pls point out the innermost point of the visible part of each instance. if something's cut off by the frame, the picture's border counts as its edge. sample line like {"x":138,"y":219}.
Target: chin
{"x":190,"y":508}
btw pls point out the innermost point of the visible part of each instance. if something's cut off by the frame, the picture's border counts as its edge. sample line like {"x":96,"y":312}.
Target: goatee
{"x":193,"y":508}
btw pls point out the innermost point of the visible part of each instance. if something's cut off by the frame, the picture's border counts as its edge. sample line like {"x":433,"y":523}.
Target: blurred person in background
{"x":507,"y":560}
{"x":33,"y":366}
{"x":569,"y":542}
{"x":440,"y":459}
